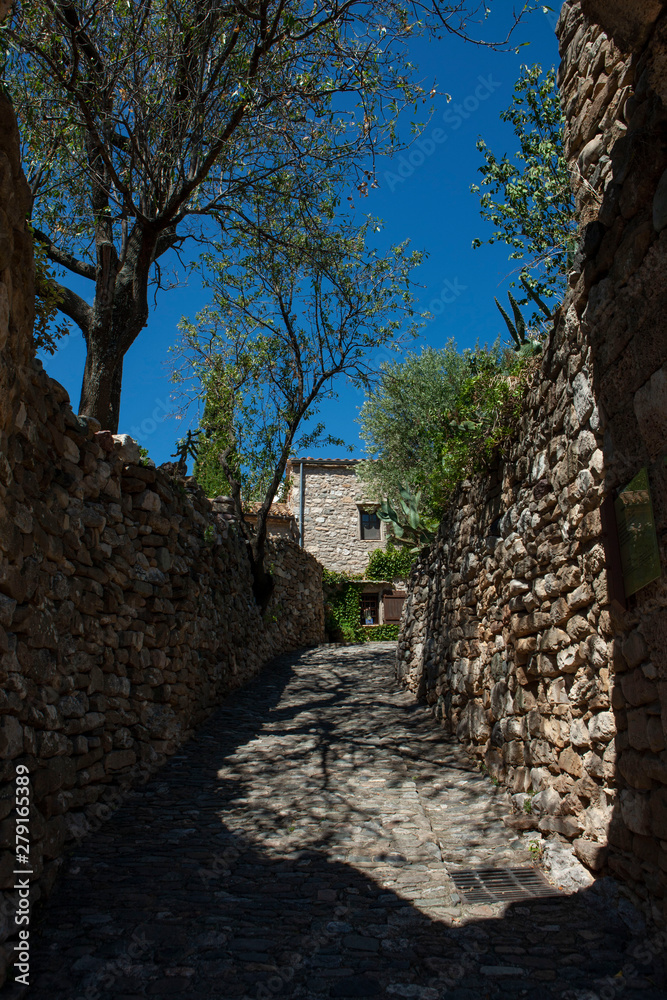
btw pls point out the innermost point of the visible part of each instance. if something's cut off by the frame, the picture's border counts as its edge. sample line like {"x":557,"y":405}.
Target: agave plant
{"x":409,"y":526}
{"x":517,"y":329}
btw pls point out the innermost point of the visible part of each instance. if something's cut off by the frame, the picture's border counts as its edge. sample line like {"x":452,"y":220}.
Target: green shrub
{"x":342,"y":600}
{"x":390,"y":563}
{"x":382,"y":633}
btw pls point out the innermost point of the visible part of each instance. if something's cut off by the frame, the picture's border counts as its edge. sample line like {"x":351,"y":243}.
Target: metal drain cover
{"x":500,"y":885}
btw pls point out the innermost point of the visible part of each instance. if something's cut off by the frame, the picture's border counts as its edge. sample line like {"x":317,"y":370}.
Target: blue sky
{"x":423,"y":195}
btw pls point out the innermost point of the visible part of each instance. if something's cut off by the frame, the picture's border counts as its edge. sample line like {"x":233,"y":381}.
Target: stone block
{"x":660,"y":204}
{"x":530,"y":624}
{"x":602,"y":727}
{"x":650,"y":405}
{"x":655,"y":733}
{"x":566,"y":826}
{"x":571,"y":762}
{"x":638,"y":729}
{"x":658,"y":814}
{"x":554,"y":639}
{"x":581,"y":597}
{"x":637,"y":689}
{"x":635,"y":769}
{"x":636,"y":811}
{"x":11,"y":738}
{"x":634,"y":649}
{"x":119,"y":759}
{"x":578,"y":628}
{"x":579,"y":735}
{"x":591,"y":853}
{"x":126,"y":449}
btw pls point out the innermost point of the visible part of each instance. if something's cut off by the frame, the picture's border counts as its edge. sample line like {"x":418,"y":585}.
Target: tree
{"x":147,"y":124}
{"x":528,"y":196}
{"x":400,"y":419}
{"x":302,"y":299}
{"x":434,"y":419}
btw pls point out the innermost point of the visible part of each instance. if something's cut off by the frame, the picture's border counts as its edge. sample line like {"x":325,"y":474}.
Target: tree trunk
{"x":262,"y":582}
{"x":100,"y":392}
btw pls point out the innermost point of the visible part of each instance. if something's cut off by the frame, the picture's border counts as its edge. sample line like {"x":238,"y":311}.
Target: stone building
{"x":280,"y":523}
{"x":338,"y":524}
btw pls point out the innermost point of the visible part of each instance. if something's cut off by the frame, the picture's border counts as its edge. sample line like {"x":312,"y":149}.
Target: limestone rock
{"x":127,"y":449}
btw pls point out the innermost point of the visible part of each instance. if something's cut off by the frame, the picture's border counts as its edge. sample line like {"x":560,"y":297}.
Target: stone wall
{"x":126,"y":608}
{"x":333,"y":496}
{"x":514,"y":627}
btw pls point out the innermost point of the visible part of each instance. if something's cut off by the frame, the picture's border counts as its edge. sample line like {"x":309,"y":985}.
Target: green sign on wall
{"x":638,"y":541}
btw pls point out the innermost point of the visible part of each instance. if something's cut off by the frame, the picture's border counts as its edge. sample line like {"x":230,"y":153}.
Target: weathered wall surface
{"x":509,"y":627}
{"x":333,"y":494}
{"x":126,"y":609}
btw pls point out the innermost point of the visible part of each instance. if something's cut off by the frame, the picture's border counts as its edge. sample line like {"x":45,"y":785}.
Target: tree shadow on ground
{"x":223,"y":886}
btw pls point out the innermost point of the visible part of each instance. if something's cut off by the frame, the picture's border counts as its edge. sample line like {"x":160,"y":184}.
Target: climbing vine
{"x":382,"y":633}
{"x":342,"y":609}
{"x":390,"y":563}
{"x":342,"y":606}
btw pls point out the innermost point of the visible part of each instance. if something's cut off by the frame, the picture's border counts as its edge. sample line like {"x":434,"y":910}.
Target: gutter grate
{"x":500,"y":885}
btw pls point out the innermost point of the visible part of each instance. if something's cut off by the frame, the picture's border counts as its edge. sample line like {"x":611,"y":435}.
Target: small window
{"x":370,"y":524}
{"x":370,"y":609}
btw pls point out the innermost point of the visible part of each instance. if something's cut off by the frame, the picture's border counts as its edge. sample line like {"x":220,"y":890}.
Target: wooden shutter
{"x":393,"y":606}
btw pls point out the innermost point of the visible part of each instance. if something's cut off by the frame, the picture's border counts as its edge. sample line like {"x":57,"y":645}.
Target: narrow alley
{"x":302,"y":846}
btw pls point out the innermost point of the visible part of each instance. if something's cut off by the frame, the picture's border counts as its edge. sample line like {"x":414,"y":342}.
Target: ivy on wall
{"x":382,"y":633}
{"x":342,"y":607}
{"x":390,"y":564}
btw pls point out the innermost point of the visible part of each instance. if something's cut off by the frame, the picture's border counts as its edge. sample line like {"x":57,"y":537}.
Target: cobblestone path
{"x":299,"y":847}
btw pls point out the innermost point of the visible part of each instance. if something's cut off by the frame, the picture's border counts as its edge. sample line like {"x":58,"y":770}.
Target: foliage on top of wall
{"x":437,"y":418}
{"x":388,"y":632}
{"x":390,"y":563}
{"x":48,"y":299}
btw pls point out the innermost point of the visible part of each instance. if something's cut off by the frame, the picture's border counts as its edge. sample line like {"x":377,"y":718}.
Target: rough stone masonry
{"x":126,"y":608}
{"x":511,"y":629}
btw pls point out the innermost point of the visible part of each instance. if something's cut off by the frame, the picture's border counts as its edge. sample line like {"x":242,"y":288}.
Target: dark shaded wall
{"x":126,"y":607}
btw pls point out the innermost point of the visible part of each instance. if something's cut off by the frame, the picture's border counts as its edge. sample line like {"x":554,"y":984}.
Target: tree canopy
{"x":527,"y":196}
{"x":435,"y":418}
{"x":147,"y":124}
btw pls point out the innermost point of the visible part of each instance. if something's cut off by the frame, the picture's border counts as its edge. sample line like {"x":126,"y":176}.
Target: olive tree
{"x":527,"y":196}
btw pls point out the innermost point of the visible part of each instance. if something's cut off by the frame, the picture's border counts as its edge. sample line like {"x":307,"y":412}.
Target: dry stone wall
{"x":512,"y":628}
{"x":126,"y":608}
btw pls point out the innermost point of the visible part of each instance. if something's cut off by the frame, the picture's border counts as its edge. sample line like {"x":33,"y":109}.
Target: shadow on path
{"x":299,"y":846}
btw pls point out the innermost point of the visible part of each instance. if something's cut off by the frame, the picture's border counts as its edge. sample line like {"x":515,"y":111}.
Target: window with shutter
{"x":370,"y":525}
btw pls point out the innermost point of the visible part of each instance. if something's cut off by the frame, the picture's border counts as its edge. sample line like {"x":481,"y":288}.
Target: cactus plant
{"x":517,"y":329}
{"x":409,"y":527}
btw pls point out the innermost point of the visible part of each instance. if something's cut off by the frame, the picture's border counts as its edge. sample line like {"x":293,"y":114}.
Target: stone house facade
{"x":338,"y":524}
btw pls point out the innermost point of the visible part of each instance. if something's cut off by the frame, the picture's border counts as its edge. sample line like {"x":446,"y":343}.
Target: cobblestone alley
{"x":301,"y":847}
